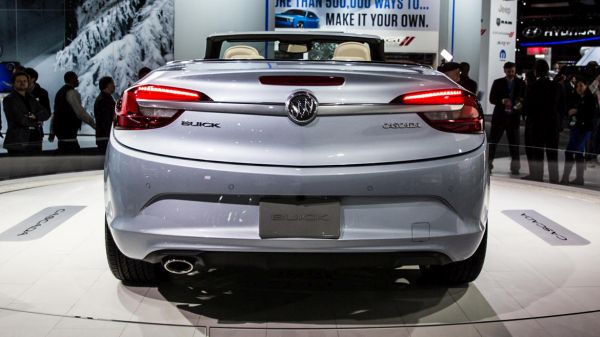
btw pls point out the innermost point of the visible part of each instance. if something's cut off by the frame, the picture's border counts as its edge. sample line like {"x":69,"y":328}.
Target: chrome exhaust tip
{"x":178,"y":266}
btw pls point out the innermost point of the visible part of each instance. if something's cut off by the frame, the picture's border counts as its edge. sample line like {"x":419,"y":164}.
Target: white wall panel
{"x":196,"y":19}
{"x":460,"y":31}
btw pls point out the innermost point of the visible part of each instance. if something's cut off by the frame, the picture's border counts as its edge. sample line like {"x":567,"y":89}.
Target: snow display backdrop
{"x":117,"y":38}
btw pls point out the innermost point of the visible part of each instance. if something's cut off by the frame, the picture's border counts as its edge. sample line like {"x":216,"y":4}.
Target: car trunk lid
{"x":247,"y":122}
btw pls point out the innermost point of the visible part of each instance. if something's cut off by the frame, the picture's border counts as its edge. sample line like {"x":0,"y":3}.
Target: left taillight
{"x":467,"y":119}
{"x":133,"y":116}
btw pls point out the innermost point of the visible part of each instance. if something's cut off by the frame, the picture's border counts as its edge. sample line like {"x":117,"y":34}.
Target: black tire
{"x":129,"y":271}
{"x":457,"y":272}
{"x":300,"y":24}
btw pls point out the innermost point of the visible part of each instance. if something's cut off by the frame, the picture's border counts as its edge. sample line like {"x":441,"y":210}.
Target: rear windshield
{"x":282,"y":50}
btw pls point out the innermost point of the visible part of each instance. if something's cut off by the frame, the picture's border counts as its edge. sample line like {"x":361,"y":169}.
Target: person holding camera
{"x":581,"y":119}
{"x":24,"y":114}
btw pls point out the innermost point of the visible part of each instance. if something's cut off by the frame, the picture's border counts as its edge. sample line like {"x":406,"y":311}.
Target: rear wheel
{"x":301,"y":25}
{"x":457,"y":272}
{"x":130,"y":271}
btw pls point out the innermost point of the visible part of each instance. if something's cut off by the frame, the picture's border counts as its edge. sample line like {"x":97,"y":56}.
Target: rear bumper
{"x":330,"y":261}
{"x":157,"y":204}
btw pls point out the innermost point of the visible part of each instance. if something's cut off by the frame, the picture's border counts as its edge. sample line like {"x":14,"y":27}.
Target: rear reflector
{"x":315,"y":81}
{"x":132,"y":116}
{"x":467,"y":119}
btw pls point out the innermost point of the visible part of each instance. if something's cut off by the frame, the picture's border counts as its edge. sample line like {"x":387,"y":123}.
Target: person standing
{"x":68,"y":115}
{"x":507,"y":96}
{"x":38,"y":93}
{"x":23,"y":115}
{"x":143,"y":72}
{"x":465,"y":81}
{"x":594,"y":88}
{"x":104,"y":111}
{"x":450,"y":69}
{"x":581,"y":123}
{"x":36,"y":90}
{"x":544,"y":103}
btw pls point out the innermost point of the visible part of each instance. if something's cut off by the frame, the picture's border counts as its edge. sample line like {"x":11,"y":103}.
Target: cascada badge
{"x":402,"y":125}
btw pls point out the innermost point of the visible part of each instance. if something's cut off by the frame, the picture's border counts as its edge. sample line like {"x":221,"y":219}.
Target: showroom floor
{"x":58,"y":284}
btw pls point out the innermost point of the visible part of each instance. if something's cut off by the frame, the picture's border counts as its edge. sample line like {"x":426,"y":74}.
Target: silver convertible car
{"x":296,"y":150}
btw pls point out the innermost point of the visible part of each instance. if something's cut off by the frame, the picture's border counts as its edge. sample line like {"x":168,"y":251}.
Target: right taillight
{"x":467,"y":119}
{"x":133,"y":116}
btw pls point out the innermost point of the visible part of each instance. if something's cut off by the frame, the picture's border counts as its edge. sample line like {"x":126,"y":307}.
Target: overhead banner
{"x":406,"y":25}
{"x":551,"y":33}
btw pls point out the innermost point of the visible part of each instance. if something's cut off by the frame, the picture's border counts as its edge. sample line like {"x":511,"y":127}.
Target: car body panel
{"x":196,"y":184}
{"x":150,"y":197}
{"x":274,"y":140}
{"x":247,"y":137}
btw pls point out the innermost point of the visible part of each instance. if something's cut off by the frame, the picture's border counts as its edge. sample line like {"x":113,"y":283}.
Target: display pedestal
{"x":59,"y":283}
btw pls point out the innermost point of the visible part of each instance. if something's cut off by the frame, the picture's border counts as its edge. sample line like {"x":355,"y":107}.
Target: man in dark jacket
{"x":507,"y":96}
{"x":36,"y":90}
{"x":104,"y":110}
{"x":23,"y":115}
{"x":465,"y":81}
{"x":38,"y":93}
{"x":544,"y":104}
{"x":68,"y":115}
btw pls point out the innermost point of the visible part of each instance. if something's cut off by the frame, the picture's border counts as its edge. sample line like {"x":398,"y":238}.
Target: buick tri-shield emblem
{"x":302,"y":107}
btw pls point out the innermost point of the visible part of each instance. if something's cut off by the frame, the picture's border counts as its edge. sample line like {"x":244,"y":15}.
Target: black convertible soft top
{"x":376,"y":44}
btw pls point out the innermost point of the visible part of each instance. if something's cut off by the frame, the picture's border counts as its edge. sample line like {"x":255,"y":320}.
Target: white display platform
{"x":60,"y":285}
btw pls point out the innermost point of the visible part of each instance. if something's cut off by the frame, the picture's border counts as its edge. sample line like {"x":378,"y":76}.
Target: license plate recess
{"x":315,"y":219}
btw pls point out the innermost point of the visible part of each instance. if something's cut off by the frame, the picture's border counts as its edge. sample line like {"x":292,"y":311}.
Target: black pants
{"x":19,"y":153}
{"x":543,"y":140}
{"x":67,"y":143}
{"x":32,"y":147}
{"x":509,"y":124}
{"x":102,"y":145}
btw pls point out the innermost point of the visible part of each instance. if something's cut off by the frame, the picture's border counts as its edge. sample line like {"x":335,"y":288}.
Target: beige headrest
{"x":242,"y":53}
{"x":352,"y":51}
